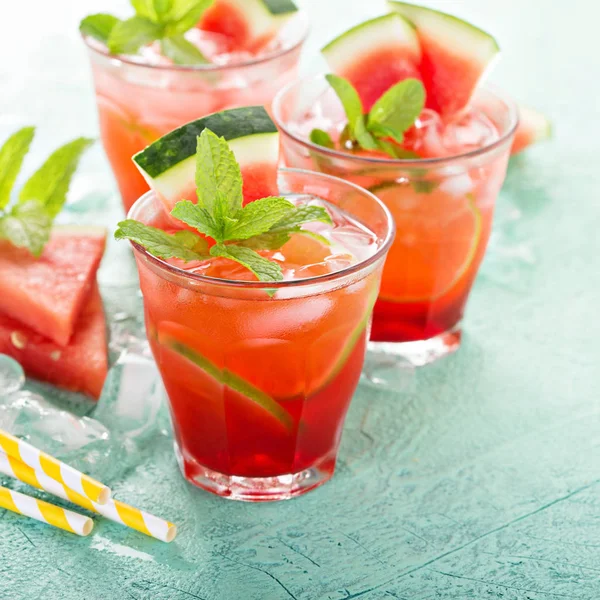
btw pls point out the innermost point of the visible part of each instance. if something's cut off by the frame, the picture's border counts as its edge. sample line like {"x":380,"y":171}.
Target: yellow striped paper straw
{"x":114,"y":510}
{"x":44,"y":512}
{"x":40,"y":461}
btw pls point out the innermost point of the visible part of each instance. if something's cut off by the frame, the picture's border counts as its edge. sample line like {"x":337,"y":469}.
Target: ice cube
{"x":12,"y":377}
{"x":469,"y":132}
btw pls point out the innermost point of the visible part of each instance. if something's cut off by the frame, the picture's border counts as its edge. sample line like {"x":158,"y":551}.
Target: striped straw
{"x":44,"y":512}
{"x":59,"y":471}
{"x":114,"y":510}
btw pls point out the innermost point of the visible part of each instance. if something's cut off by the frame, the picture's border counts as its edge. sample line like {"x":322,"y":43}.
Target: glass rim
{"x":315,"y":280}
{"x":121,"y":60}
{"x":396,"y":162}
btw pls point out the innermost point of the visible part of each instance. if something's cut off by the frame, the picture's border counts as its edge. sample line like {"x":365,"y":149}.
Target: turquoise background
{"x":479,"y":476}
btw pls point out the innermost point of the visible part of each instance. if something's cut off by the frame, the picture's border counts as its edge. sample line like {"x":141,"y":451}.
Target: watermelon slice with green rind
{"x":47,"y":294}
{"x":249,"y":24}
{"x":455,"y":56}
{"x":376,"y":55}
{"x":80,"y":366}
{"x":533,"y":127}
{"x":169,"y":164}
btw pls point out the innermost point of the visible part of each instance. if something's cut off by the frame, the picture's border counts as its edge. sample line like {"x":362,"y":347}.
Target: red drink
{"x":143,"y":97}
{"x":442,"y":203}
{"x":260,"y":375}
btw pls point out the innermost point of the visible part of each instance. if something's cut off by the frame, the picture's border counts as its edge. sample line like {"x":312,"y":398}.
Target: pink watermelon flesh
{"x":81,"y":366}
{"x":375,"y":73}
{"x":533,"y":127}
{"x":227,"y":19}
{"x":47,"y":294}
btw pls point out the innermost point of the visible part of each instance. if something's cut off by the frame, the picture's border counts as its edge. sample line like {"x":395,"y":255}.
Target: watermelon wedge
{"x":388,"y":51}
{"x":533,"y":127}
{"x":47,"y":294}
{"x":169,"y":164}
{"x":81,"y":366}
{"x":455,"y":55}
{"x":249,"y":24}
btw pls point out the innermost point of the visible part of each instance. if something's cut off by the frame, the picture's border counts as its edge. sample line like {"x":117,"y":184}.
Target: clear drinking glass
{"x":138,"y":103}
{"x":442,"y":207}
{"x":260,"y":375}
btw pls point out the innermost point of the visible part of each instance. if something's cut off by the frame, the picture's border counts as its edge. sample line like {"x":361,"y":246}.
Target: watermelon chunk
{"x":533,"y":127}
{"x":376,"y":55}
{"x":47,"y":293}
{"x":455,"y":55}
{"x":81,"y":366}
{"x":169,"y":164}
{"x":249,"y":24}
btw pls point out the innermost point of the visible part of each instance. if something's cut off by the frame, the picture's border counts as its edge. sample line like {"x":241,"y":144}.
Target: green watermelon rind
{"x":370,"y":35}
{"x":228,"y":379}
{"x":181,"y":143}
{"x":280,"y":7}
{"x":463,"y":32}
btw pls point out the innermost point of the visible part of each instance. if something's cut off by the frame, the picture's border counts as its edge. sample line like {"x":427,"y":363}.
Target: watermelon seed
{"x":18,"y":339}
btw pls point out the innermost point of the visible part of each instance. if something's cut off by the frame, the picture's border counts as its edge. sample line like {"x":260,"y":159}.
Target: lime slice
{"x":227,"y":378}
{"x":437,"y":238}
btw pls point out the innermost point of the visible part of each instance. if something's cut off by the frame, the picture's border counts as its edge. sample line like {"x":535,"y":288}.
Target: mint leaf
{"x":300,"y":216}
{"x":396,"y":151}
{"x":279,"y":234}
{"x":50,"y":183}
{"x":162,"y":8}
{"x":127,"y":37}
{"x":218,"y":177}
{"x":199,"y":218}
{"x":397,"y":110}
{"x":272,"y":240}
{"x":257,"y":218}
{"x":98,"y":26}
{"x":185,"y":15}
{"x":184,"y":245}
{"x":12,"y":154}
{"x":145,"y":9}
{"x":264,"y":269}
{"x":27,"y":225}
{"x":321,"y":138}
{"x":348,"y":97}
{"x":362,"y":135}
{"x":182,"y":52}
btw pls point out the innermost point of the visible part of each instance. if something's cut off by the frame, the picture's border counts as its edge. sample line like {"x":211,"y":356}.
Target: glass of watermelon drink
{"x":144,"y":96}
{"x":259,"y":374}
{"x":434,"y":147}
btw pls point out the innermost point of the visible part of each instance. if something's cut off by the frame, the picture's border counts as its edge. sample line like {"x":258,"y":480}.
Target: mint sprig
{"x":238,"y":231}
{"x":165,"y":21}
{"x":27,"y":221}
{"x":384,"y":126}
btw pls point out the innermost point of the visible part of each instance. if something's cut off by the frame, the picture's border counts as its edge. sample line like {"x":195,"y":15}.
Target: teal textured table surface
{"x":477,"y":477}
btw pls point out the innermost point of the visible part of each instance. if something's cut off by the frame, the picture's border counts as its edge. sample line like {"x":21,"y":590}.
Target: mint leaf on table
{"x":27,"y":225}
{"x":28,"y":222}
{"x":98,"y":26}
{"x":49,"y":185}
{"x":185,"y":245}
{"x":397,"y":110}
{"x":181,"y":52}
{"x":12,"y":154}
{"x":263,"y":268}
{"x":265,"y":224}
{"x":154,"y":20}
